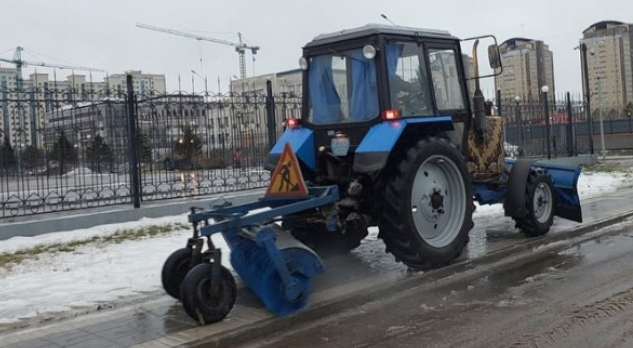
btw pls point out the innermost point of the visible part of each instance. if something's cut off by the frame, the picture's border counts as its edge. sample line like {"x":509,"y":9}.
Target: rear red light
{"x":292,"y":122}
{"x":391,"y":114}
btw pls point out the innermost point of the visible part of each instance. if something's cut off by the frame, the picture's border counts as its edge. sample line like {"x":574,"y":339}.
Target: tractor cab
{"x":357,"y":81}
{"x":379,"y":72}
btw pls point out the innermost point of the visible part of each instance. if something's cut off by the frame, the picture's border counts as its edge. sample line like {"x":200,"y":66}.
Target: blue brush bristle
{"x":254,"y":266}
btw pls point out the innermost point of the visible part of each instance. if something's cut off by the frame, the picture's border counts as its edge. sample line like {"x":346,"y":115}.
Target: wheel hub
{"x":437,"y":201}
{"x":542,"y":199}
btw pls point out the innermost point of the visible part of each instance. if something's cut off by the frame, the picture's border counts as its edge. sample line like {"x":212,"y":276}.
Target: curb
{"x":386,"y":289}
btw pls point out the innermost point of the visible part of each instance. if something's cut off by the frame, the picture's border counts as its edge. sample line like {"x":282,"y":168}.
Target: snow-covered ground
{"x":100,"y":275}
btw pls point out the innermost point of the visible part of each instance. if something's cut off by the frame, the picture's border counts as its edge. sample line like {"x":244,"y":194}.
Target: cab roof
{"x":376,"y":29}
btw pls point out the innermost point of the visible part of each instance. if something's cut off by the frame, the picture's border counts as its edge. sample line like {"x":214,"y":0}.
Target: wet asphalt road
{"x":578,"y":297}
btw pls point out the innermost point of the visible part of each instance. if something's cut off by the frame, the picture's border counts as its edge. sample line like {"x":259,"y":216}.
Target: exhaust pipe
{"x":479,"y":105}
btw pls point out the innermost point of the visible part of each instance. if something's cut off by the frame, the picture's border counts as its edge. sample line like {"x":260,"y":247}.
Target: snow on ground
{"x":90,"y":277}
{"x":105,"y":274}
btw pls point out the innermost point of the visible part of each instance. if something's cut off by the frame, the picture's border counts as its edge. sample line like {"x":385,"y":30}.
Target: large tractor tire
{"x":539,"y":202}
{"x":428,"y":207}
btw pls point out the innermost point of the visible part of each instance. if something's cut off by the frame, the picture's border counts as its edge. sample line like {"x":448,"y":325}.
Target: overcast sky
{"x":102,"y":33}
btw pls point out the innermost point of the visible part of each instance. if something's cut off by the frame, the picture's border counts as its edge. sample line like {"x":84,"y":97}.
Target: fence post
{"x":548,"y":136}
{"x":135,"y":188}
{"x":570,"y":129}
{"x":270,"y":114}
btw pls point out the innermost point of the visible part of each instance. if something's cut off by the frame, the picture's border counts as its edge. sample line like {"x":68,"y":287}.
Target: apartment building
{"x":144,"y":84}
{"x":609,"y":66}
{"x":24,"y":114}
{"x":528,"y":65}
{"x":286,"y":87}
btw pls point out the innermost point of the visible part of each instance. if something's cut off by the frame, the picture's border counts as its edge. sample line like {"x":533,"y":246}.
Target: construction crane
{"x":19,"y":82}
{"x":19,"y":64}
{"x":240,"y":47}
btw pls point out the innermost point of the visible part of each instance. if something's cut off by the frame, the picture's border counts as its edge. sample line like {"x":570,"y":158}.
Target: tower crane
{"x":19,"y":82}
{"x":240,"y":47}
{"x":19,"y":64}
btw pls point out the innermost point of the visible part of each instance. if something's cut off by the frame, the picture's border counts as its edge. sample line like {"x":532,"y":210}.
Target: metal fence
{"x":526,"y":128}
{"x":84,"y":148}
{"x":81,"y":149}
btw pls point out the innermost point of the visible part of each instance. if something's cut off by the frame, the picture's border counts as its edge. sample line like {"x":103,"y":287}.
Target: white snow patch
{"x":4,"y":321}
{"x":57,"y":283}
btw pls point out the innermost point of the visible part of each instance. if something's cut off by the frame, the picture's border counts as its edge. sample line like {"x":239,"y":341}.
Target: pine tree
{"x":64,"y":152}
{"x":32,"y":157}
{"x":99,"y":153}
{"x":7,"y":156}
{"x":189,"y":146}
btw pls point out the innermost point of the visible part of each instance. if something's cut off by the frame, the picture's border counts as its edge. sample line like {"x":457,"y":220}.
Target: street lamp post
{"x":206,"y":88}
{"x":599,"y":82}
{"x":602,"y":142}
{"x":545,"y":90}
{"x":583,"y":58}
{"x":519,"y":120}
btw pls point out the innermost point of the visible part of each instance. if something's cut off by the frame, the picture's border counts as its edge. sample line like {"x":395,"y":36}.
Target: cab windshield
{"x":342,"y":88}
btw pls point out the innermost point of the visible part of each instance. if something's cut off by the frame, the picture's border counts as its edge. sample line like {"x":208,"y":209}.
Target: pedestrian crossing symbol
{"x":287,"y":180}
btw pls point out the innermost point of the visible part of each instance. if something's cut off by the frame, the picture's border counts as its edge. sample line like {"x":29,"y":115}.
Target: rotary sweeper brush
{"x":386,"y":138}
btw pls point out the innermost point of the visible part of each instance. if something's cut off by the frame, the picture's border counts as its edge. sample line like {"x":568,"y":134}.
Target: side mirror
{"x":494,"y":57}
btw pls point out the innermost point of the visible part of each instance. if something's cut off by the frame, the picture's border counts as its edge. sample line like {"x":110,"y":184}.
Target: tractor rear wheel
{"x":540,"y":203}
{"x":428,"y":206}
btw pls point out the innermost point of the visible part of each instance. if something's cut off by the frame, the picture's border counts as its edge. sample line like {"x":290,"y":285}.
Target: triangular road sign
{"x":287,"y":180}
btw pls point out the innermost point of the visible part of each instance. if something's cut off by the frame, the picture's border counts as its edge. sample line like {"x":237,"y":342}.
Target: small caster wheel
{"x":175,"y":269}
{"x":199,"y":300}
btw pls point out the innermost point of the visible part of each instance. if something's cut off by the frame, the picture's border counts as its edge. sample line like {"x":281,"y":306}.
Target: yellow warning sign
{"x":287,"y":180}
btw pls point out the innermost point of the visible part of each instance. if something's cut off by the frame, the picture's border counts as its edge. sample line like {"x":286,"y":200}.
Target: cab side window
{"x":445,"y":75}
{"x":408,"y":83}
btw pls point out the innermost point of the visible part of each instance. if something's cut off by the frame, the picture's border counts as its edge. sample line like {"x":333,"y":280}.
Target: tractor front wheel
{"x":204,"y":302}
{"x":428,"y":206}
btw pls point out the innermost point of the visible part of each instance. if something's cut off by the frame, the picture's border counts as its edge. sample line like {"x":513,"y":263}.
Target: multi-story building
{"x":144,"y":84}
{"x":610,"y":66}
{"x":81,"y":122}
{"x":286,"y":87}
{"x":23,"y":114}
{"x":528,"y":65}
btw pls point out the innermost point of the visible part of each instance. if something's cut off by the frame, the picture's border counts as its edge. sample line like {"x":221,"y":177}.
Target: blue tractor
{"x":387,"y":138}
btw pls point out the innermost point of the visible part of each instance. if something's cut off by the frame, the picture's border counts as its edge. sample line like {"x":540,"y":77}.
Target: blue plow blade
{"x":565,"y":179}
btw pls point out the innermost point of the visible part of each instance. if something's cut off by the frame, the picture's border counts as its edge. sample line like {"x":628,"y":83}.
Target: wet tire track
{"x":579,"y":320}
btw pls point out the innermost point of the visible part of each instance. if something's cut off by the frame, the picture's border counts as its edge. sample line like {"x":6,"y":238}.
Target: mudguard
{"x":514,"y":203}
{"x":373,"y":152}
{"x":565,"y":179}
{"x":301,"y":141}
